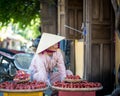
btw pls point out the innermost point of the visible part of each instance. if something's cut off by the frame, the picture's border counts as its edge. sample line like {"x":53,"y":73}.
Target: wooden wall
{"x":48,"y":17}
{"x":70,"y":13}
{"x":100,"y":57}
{"x":74,"y":18}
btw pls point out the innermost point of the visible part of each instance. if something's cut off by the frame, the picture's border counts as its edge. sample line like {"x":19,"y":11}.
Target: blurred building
{"x":12,"y":41}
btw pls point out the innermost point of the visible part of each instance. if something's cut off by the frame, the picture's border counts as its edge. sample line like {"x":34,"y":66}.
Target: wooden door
{"x":70,"y":13}
{"x":48,"y":17}
{"x":74,"y":18}
{"x":99,"y":54}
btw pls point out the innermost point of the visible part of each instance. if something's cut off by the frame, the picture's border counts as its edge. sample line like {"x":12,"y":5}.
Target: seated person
{"x":48,"y":63}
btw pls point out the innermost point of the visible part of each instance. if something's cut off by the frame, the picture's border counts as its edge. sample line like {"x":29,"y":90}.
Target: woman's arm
{"x":61,"y":64}
{"x":38,"y":69}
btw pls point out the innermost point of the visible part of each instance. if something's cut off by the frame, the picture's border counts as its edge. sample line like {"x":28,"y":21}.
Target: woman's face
{"x":54,"y":47}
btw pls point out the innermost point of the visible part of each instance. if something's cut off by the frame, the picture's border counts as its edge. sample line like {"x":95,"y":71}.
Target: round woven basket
{"x":24,"y":90}
{"x":77,"y":89}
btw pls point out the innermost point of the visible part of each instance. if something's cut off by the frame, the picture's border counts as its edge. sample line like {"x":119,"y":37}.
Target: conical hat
{"x":47,"y":40}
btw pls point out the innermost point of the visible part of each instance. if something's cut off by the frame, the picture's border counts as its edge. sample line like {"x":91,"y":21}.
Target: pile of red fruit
{"x":81,"y":84}
{"x":21,"y":86}
{"x":73,"y":77}
{"x":75,"y":81}
{"x":21,"y":76}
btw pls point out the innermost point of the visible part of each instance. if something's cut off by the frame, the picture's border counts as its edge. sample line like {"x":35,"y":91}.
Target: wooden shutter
{"x":48,"y":17}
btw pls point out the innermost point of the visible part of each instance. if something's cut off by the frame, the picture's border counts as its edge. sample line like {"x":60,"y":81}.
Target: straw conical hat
{"x":47,"y":40}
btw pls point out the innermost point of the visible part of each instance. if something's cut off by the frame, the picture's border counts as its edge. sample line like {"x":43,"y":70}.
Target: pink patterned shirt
{"x":42,"y":65}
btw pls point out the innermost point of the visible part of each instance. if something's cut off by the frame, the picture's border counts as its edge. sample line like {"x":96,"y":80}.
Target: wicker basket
{"x":77,"y":89}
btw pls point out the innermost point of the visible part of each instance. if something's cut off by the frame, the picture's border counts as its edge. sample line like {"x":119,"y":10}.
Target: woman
{"x":48,"y":62}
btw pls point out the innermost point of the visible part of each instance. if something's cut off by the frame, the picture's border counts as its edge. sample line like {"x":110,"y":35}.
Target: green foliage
{"x":23,"y":15}
{"x":22,"y":11}
{"x":31,"y":31}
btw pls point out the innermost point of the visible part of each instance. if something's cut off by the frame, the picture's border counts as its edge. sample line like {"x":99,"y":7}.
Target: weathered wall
{"x":79,"y":57}
{"x":117,"y":55}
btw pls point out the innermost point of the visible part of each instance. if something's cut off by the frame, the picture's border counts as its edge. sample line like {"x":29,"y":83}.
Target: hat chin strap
{"x":50,"y":51}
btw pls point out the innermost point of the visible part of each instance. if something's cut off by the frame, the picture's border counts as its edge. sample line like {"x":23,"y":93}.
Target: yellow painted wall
{"x":79,"y":57}
{"x":23,"y":94}
{"x":117,"y":55}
